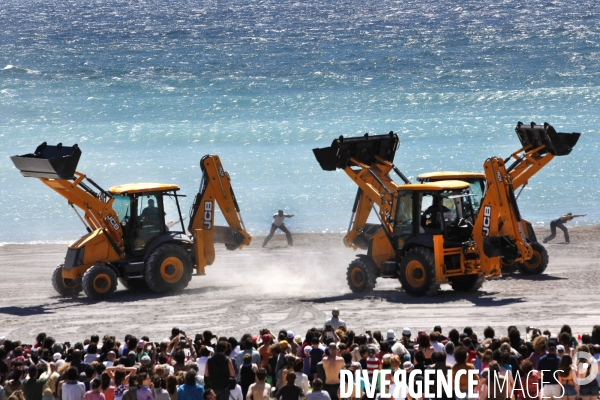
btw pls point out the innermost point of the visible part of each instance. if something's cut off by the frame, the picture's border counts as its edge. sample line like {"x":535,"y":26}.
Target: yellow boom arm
{"x":97,"y":207}
{"x":499,"y":218}
{"x":215,"y":187}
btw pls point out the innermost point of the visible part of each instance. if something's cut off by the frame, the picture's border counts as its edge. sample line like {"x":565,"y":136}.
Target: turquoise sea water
{"x":146,"y":88}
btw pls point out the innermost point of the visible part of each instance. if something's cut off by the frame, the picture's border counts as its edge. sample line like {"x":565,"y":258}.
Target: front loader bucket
{"x":363,"y":149}
{"x":52,"y":162}
{"x":556,"y":143}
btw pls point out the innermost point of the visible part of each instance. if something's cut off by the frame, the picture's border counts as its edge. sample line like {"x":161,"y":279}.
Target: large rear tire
{"x":65,"y":287}
{"x":168,"y":269}
{"x":467,"y":283}
{"x":135,"y":285}
{"x":538,"y":262}
{"x":361,"y":275}
{"x":417,"y":272}
{"x":99,"y":282}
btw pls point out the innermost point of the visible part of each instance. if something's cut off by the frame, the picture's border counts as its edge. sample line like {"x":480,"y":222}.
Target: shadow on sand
{"x":120,"y":297}
{"x":398,"y":296}
{"x":537,"y":278}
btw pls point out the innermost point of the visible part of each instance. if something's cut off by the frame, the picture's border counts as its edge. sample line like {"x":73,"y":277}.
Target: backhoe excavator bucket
{"x":363,"y":149}
{"x":52,"y":162}
{"x":556,"y":143}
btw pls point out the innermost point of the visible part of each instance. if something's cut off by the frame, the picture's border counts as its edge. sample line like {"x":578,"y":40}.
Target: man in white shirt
{"x":335,"y":322}
{"x":449,"y":349}
{"x":278,"y":220}
{"x":110,"y":359}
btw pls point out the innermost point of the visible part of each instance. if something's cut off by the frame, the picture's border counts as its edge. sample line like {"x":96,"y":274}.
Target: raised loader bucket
{"x":363,"y":149}
{"x":556,"y":143}
{"x":52,"y":162}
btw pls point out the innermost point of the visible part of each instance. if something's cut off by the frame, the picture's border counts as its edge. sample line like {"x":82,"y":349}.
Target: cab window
{"x":122,"y":206}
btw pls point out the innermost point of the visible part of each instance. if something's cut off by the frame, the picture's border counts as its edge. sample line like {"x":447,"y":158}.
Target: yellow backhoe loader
{"x":540,"y":144}
{"x":128,"y":239}
{"x":428,"y":233}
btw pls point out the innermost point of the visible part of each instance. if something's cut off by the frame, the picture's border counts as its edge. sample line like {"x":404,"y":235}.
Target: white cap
{"x":57,"y":356}
{"x":406,"y":332}
{"x":390,"y":335}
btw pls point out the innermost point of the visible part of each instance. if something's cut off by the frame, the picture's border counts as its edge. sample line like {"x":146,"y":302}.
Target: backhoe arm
{"x":216,"y":187}
{"x":498,"y":229}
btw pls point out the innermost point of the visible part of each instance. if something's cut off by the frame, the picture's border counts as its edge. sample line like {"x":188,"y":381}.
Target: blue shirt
{"x":548,"y":365}
{"x":190,"y":392}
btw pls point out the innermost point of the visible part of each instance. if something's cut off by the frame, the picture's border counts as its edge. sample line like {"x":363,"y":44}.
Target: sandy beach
{"x":295,"y":288}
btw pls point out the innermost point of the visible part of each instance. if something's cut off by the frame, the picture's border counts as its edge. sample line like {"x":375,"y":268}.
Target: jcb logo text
{"x":487,"y":213}
{"x":208,"y":214}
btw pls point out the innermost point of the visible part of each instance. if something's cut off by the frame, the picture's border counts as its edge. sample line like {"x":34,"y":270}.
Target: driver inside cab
{"x":151,"y":214}
{"x":434,"y":216}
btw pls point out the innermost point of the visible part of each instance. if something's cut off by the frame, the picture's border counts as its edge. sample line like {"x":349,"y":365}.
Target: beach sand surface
{"x":281,"y":287}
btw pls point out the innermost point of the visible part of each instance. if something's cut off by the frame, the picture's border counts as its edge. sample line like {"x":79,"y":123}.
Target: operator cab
{"x":476,"y":180}
{"x":437,"y":208}
{"x":142,"y":209}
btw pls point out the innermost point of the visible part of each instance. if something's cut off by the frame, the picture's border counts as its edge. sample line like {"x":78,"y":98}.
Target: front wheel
{"x":417,"y":272}
{"x":538,"y":261}
{"x":99,"y":282}
{"x":168,"y":269}
{"x":361,"y":276}
{"x":65,"y":287}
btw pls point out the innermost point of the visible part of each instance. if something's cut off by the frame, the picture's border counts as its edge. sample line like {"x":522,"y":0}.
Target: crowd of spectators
{"x":287,"y":366}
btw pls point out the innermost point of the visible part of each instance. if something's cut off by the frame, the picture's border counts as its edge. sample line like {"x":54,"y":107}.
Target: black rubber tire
{"x":66,"y":288}
{"x":179,"y":262}
{"x":421,"y":281}
{"x":467,"y":283}
{"x":361,"y":275}
{"x":99,"y":282}
{"x":538,"y":263}
{"x":135,"y":285}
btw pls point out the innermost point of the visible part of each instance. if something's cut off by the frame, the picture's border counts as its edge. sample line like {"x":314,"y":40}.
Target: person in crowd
{"x":495,"y":385}
{"x":424,"y":346}
{"x":548,"y":365}
{"x":247,"y":373}
{"x":33,"y":385}
{"x":72,"y":389}
{"x":219,"y":371}
{"x":190,"y":390}
{"x":567,"y":378}
{"x":172,"y":387}
{"x":95,"y":392}
{"x":260,"y":390}
{"x":301,"y":378}
{"x":290,"y":391}
{"x":332,"y":365}
{"x":317,"y":392}
{"x":460,"y":355}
